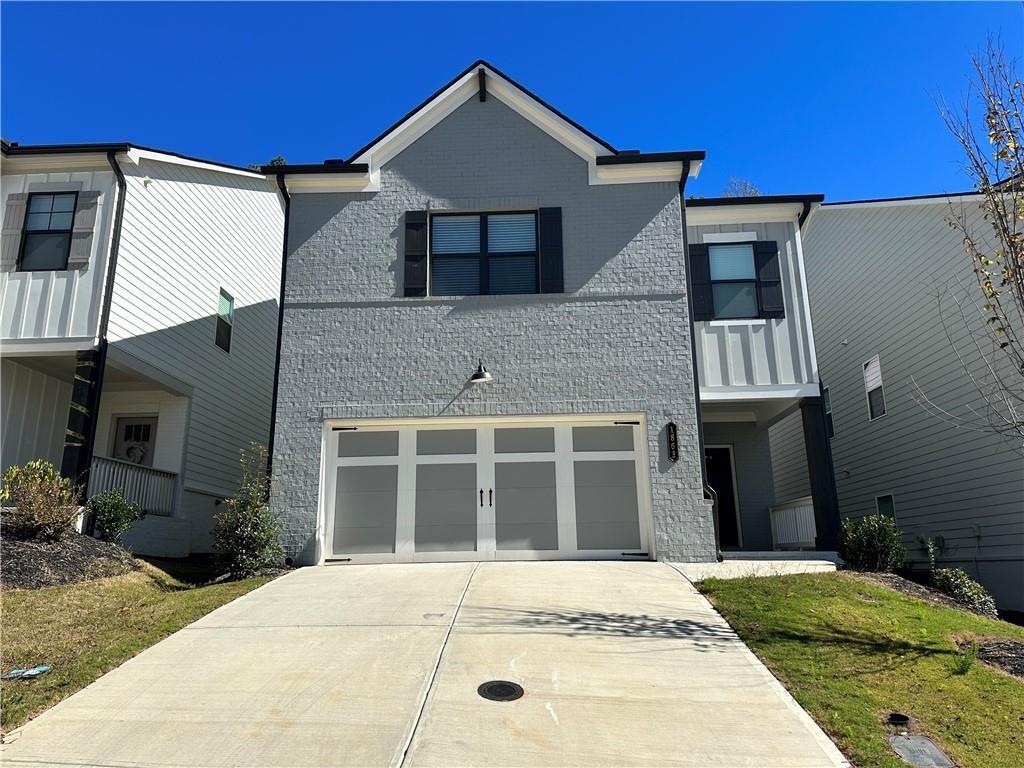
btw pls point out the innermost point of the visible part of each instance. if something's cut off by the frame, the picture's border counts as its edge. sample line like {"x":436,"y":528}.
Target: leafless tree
{"x":989,"y":127}
{"x":740,"y":188}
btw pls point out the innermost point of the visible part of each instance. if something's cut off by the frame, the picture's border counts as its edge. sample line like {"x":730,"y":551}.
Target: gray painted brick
{"x":618,"y":340}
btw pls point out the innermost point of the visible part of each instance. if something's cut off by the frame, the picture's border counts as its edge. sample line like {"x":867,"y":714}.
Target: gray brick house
{"x":502,"y":338}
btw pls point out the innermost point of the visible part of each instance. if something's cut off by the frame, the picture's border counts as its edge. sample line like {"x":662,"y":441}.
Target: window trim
{"x":755,"y":281}
{"x":892,"y":496}
{"x":826,"y":407}
{"x":229,"y":321}
{"x":483,"y":256}
{"x":880,"y":387}
{"x":25,"y":231}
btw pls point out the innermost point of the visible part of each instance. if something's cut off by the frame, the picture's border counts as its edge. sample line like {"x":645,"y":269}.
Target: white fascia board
{"x":301,"y":183}
{"x":54,"y":163}
{"x":45,"y":347}
{"x":941,"y":200}
{"x":755,"y":393}
{"x":135,"y":156}
{"x":742,"y":214}
{"x":638,"y":173}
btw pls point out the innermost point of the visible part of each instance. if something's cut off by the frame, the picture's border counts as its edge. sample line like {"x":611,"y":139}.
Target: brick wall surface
{"x":617,"y":340}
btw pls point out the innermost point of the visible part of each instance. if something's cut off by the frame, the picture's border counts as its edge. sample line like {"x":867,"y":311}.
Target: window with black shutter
{"x":736,"y":281}
{"x":474,"y":254}
{"x":46,"y":238}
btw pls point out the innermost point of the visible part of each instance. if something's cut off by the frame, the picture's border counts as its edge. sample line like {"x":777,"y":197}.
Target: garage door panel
{"x":524,"y":440}
{"x":607,"y":512}
{"x":446,"y":538}
{"x":446,"y":507}
{"x":609,"y":536}
{"x":366,"y":510}
{"x":526,"y":536}
{"x":434,"y":442}
{"x":351,"y":444}
{"x":616,"y":438}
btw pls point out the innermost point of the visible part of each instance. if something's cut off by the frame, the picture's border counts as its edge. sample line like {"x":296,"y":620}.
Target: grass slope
{"x":88,"y":628}
{"x":850,"y":652}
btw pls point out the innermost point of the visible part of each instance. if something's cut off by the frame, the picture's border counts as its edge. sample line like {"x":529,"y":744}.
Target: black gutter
{"x":970,"y":193}
{"x":700,"y":202}
{"x":316,"y":168}
{"x":626,"y":158}
{"x":104,"y":321}
{"x":280,"y":323}
{"x":693,"y":358}
{"x":803,"y":215}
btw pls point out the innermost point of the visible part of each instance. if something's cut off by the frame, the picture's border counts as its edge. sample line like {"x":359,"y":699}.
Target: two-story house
{"x":139,"y":298}
{"x":908,"y":425}
{"x":503,"y":338}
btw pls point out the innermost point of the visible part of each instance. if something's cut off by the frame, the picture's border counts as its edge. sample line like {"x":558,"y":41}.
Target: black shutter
{"x":549,"y":246}
{"x":769,"y":280}
{"x":415,"y":282}
{"x":701,"y":301}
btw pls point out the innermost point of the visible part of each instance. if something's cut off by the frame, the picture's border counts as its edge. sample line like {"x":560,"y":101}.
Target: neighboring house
{"x":486,"y":230}
{"x":876,"y":272}
{"x":138,"y":316}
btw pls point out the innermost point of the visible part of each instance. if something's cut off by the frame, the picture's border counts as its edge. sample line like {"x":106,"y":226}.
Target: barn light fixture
{"x":481,"y":375}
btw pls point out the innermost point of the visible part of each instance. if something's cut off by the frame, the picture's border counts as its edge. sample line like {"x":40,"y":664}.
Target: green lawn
{"x":850,"y":652}
{"x":83,"y":630}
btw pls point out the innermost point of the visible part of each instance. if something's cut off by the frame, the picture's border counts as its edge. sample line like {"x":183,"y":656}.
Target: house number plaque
{"x":673,"y":441}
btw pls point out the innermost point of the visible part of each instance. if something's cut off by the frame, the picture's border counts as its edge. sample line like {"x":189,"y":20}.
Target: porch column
{"x":821,"y":473}
{"x":81,"y":429}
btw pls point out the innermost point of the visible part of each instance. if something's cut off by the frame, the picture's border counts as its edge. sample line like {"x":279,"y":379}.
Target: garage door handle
{"x":490,"y":497}
{"x":481,"y":497}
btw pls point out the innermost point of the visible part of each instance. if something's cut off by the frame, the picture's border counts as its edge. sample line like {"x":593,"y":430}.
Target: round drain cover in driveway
{"x":500,"y":690}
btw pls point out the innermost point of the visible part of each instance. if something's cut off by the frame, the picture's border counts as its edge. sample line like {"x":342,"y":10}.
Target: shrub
{"x":965,"y":590}
{"x":245,"y":533}
{"x":871,"y":544}
{"x":44,"y":504}
{"x":964,"y":660}
{"x":113,"y":514}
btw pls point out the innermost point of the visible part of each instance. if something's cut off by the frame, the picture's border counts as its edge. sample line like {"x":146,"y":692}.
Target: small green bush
{"x":44,"y":505}
{"x":964,"y":660}
{"x":965,"y":590}
{"x":872,"y":543}
{"x":113,"y":514}
{"x":245,"y":533}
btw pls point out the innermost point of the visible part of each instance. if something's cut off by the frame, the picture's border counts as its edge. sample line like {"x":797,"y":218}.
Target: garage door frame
{"x":640,"y":455}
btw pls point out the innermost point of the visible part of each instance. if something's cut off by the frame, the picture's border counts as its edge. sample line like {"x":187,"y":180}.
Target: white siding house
{"x":141,"y":313}
{"x":882,"y":277}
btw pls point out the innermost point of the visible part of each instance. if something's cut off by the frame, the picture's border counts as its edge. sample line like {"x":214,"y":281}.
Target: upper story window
{"x":225,"y":320}
{"x":733,"y":281}
{"x":473,"y":254}
{"x":736,"y":281}
{"x":873,"y":388}
{"x":826,"y":403}
{"x":886,"y":505}
{"x":46,"y":237}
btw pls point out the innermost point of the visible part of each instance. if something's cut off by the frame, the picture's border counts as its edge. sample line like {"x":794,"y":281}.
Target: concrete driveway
{"x":623,"y":664}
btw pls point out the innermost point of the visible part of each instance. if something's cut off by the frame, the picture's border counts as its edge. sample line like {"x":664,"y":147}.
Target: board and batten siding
{"x":187,"y":233}
{"x":875,"y":275}
{"x":33,"y":414}
{"x":745,"y":353}
{"x":65,"y":303}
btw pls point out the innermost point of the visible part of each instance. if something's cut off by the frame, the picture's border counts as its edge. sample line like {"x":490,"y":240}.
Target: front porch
{"x":139,"y":447}
{"x":763,"y":506}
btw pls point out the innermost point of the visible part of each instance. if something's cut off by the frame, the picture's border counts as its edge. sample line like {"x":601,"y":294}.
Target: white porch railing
{"x":793,"y":524}
{"x":153,"y":490}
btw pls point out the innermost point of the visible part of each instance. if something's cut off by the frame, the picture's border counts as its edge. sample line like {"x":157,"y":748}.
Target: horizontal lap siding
{"x":875,"y":275}
{"x":188,"y":233}
{"x":789,"y":459}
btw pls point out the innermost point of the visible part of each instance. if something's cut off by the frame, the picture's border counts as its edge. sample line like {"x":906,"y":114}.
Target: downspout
{"x":803,"y":215}
{"x":104,"y":321}
{"x":280,"y":322}
{"x":708,"y":490}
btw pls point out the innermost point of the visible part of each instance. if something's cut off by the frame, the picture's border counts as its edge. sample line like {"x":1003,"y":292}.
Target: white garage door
{"x":430,"y":491}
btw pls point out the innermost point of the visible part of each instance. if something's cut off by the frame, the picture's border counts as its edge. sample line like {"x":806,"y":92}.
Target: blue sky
{"x":833,"y":98}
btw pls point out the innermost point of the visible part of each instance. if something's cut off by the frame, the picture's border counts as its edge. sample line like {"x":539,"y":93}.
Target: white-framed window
{"x":886,"y":505}
{"x":474,"y":254}
{"x":873,"y":388}
{"x":225,"y":320}
{"x":46,"y":237}
{"x":733,"y":281}
{"x":826,"y":404}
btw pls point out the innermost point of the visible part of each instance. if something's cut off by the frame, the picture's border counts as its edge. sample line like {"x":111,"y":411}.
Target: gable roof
{"x":607,"y":165}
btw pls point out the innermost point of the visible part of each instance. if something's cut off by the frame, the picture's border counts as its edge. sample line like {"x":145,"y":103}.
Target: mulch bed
{"x":38,"y":564}
{"x":1004,"y":654}
{"x":912,"y":588}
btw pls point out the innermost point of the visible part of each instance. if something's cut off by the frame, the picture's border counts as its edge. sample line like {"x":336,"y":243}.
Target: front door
{"x":499,"y":490}
{"x":135,"y":439}
{"x":721,"y":478}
